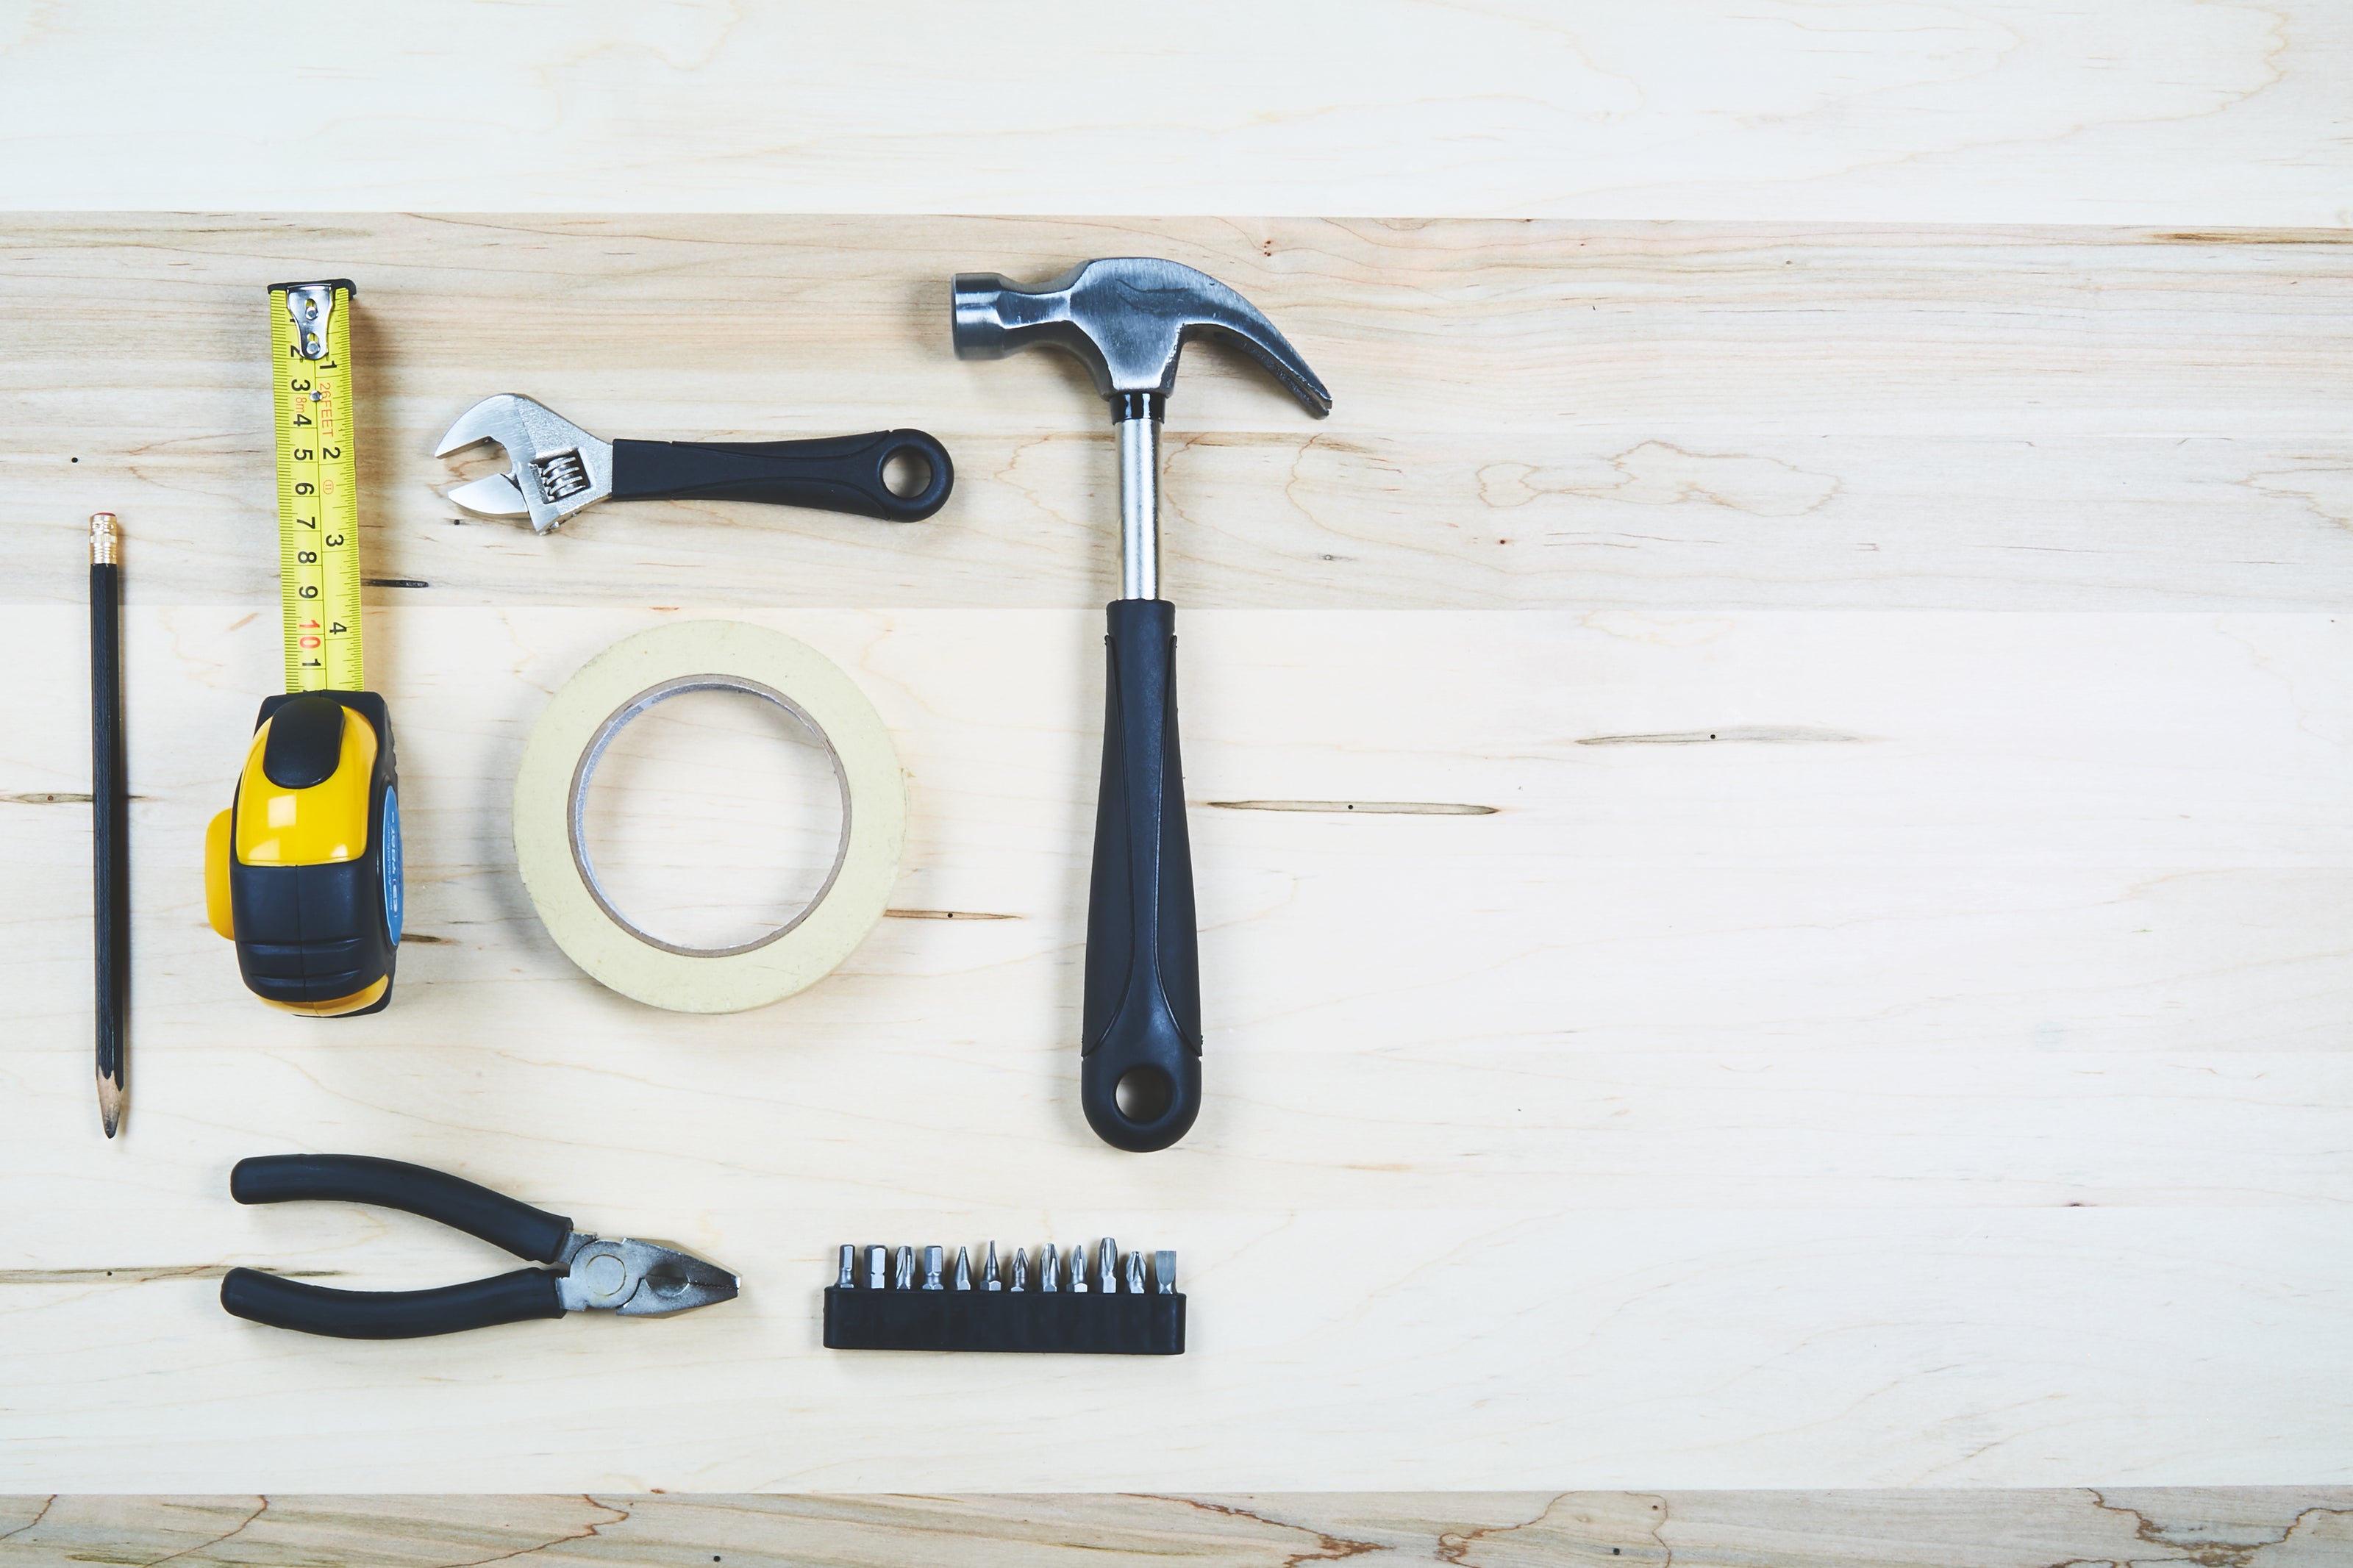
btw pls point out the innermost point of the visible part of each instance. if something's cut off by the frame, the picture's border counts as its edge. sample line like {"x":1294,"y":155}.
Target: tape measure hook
{"x":312,"y":306}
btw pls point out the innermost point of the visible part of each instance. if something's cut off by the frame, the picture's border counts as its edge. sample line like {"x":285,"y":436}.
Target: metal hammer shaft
{"x":1138,"y":415}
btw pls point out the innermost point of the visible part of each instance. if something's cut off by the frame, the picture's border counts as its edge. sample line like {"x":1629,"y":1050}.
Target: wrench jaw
{"x":553,"y":466}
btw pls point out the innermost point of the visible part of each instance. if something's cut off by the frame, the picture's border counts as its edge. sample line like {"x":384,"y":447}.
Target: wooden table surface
{"x":1768,"y":793}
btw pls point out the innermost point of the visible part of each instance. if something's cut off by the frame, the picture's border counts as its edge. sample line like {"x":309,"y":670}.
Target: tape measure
{"x":318,"y":486}
{"x":302,"y":872}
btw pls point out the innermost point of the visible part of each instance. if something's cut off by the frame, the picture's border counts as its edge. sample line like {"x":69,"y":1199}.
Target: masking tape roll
{"x":552,"y":790}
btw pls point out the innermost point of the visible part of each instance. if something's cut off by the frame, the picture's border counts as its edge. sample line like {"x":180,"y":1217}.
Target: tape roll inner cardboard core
{"x":575,"y":813}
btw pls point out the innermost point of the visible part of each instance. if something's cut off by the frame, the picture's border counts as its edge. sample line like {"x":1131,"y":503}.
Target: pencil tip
{"x":112,"y":1098}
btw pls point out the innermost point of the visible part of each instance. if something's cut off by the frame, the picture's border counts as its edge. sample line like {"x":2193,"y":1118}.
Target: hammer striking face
{"x":1128,"y":319}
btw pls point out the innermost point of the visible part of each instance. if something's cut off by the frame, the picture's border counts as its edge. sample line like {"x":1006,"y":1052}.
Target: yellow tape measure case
{"x":304,"y":871}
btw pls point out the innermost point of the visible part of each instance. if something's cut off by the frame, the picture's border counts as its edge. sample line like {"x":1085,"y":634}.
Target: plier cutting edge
{"x":634,"y":1278}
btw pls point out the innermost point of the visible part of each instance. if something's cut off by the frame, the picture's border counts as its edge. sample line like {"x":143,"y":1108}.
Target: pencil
{"x":110,"y":799}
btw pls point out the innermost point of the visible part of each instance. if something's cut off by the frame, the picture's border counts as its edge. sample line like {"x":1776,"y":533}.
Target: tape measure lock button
{"x":560,"y":761}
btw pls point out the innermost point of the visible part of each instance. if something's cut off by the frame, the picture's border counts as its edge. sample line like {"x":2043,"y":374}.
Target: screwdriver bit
{"x":1164,"y":1272}
{"x":1135,"y":1273}
{"x":903,"y":1276}
{"x":1078,"y":1270}
{"x":1020,"y":1268}
{"x":963,"y":1280}
{"x":988,"y":1280}
{"x":931,"y":1267}
{"x":877,"y":1267}
{"x":848,"y":1266}
{"x":1050,"y":1269}
{"x":1107,"y":1267}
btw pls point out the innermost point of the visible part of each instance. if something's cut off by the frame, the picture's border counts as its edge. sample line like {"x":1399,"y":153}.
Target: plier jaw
{"x":638,"y":1278}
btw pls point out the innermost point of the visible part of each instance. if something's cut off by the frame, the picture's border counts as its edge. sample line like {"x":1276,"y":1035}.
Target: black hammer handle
{"x":437,"y":1195}
{"x":1142,"y":1019}
{"x":834,"y":473}
{"x":390,"y":1315}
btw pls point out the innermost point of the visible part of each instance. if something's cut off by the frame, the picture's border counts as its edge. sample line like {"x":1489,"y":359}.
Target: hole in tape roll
{"x":708,"y":815}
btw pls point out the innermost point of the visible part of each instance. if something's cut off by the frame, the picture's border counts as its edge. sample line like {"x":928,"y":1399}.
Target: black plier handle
{"x":634,"y":1277}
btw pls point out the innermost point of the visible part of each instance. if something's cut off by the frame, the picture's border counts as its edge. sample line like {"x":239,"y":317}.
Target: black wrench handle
{"x":834,"y":473}
{"x":1142,"y":1007}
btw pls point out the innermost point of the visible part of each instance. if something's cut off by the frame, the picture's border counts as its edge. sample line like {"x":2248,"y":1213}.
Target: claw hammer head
{"x":1127,"y":318}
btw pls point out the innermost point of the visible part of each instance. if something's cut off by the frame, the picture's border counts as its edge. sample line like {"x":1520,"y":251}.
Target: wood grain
{"x":1975,"y":111}
{"x":1530,"y":415}
{"x":1874,"y":1093}
{"x":2268,"y":1527}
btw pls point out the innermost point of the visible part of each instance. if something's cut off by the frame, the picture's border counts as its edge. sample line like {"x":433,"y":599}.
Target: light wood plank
{"x":2120,"y":110}
{"x":1869,"y":1094}
{"x":2270,"y":1527}
{"x":1529,"y":415}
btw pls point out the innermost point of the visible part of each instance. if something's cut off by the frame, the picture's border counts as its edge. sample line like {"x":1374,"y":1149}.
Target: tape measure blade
{"x":318,"y":499}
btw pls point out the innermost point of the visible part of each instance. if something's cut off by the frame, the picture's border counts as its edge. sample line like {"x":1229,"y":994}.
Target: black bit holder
{"x":1032,"y":1320}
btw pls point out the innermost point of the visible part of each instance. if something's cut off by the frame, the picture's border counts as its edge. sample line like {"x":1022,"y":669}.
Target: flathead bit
{"x":1020,"y":1268}
{"x":989,"y":1279}
{"x":1078,"y":1270}
{"x":1049,"y":1268}
{"x":877,"y":1267}
{"x":849,"y":1267}
{"x":1164,"y":1272}
{"x":903,"y":1276}
{"x":931,"y":1259}
{"x":963,"y":1280}
{"x":1107,"y":1267}
{"x":1135,"y":1273}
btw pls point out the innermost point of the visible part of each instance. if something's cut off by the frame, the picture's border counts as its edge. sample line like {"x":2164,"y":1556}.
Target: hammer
{"x":1127,"y":319}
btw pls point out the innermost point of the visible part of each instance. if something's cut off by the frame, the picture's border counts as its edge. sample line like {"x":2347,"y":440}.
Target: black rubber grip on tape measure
{"x":833,"y":473}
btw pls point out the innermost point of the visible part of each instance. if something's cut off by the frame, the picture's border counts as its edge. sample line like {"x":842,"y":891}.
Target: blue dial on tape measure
{"x":392,"y":864}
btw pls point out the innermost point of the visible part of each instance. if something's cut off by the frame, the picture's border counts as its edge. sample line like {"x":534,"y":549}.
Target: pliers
{"x":635,"y":1278}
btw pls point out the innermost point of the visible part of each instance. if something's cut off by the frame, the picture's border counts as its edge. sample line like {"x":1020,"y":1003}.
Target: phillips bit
{"x":1107,"y":1267}
{"x":905,"y":1275}
{"x":1135,"y":1273}
{"x":931,"y":1259}
{"x":1164,"y":1272}
{"x":988,"y":1280}
{"x":1020,"y":1268}
{"x":1078,"y":1270}
{"x":877,"y":1267}
{"x":848,"y":1266}
{"x":1050,"y":1269}
{"x":963,"y":1280}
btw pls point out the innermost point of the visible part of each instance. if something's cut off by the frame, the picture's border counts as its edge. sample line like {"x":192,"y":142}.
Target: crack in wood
{"x":1752,"y":734}
{"x":149,"y":1275}
{"x":1331,"y":1548}
{"x":1363,"y":807}
{"x":946,"y":915}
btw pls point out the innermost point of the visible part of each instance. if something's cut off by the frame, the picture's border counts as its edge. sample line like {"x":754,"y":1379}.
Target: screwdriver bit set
{"x":886,"y":1301}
